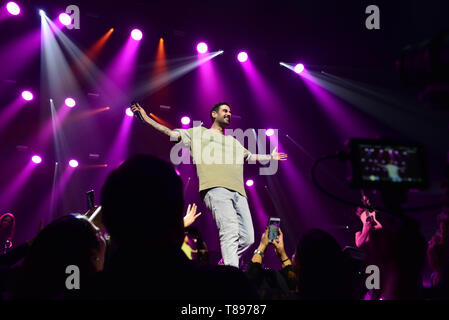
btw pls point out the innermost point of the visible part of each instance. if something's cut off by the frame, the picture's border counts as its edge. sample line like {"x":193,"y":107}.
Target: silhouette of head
{"x":69,"y":240}
{"x":142,"y":203}
{"x":320,"y":266}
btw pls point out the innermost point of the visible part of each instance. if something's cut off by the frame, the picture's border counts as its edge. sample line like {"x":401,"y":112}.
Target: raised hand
{"x":264,"y":241}
{"x":279,"y":243}
{"x":191,"y":215}
{"x":136,"y":107}
{"x":278,"y":155}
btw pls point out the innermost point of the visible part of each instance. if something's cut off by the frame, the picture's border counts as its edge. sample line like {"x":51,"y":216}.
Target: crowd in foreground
{"x":147,"y":249}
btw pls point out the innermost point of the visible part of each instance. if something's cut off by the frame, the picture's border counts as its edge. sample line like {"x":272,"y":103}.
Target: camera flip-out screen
{"x":382,"y":163}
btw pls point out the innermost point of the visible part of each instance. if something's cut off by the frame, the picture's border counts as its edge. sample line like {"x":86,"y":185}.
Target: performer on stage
{"x":221,"y":182}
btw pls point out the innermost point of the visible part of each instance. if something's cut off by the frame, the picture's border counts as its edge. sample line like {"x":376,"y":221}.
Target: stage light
{"x":70,"y":102}
{"x":269,"y":132}
{"x":73,"y":163}
{"x":299,"y":68}
{"x":13,"y":8}
{"x":201,"y":47}
{"x":185,"y":120}
{"x":250,"y":182}
{"x":129,"y":112}
{"x":41,"y":12}
{"x":36,"y":159}
{"x":242,"y":56}
{"x":177,"y":172}
{"x":65,"y":19}
{"x":136,"y":34}
{"x":27,"y":95}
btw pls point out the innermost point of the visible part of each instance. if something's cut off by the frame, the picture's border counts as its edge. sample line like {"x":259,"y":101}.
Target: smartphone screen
{"x":273,"y":228}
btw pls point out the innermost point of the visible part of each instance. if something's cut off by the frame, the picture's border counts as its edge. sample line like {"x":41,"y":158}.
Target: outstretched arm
{"x":266,"y":157}
{"x":174,"y":135}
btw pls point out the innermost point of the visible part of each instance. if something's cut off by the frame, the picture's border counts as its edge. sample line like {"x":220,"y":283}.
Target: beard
{"x":225,"y":121}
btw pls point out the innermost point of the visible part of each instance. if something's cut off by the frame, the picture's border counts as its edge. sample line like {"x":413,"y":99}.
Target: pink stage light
{"x":250,"y":182}
{"x":299,"y":68}
{"x":65,"y":19}
{"x":201,"y":47}
{"x":185,"y":120}
{"x":70,"y":102}
{"x":242,"y":56}
{"x":136,"y":34}
{"x":27,"y":95}
{"x":177,"y":172}
{"x":73,"y":163}
{"x":13,"y":8}
{"x":269,"y":132}
{"x":36,"y":159}
{"x":129,"y":112}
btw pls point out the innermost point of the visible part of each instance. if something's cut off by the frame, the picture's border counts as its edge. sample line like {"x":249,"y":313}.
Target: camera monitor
{"x":378,"y":164}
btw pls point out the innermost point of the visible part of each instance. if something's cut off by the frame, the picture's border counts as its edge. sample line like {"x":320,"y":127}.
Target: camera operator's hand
{"x":136,"y":107}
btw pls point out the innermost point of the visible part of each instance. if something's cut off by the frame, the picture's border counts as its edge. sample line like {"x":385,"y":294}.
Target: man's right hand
{"x":136,"y":107}
{"x":174,"y":135}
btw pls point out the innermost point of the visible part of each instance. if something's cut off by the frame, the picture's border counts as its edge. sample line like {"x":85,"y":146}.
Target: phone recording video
{"x":273,"y":228}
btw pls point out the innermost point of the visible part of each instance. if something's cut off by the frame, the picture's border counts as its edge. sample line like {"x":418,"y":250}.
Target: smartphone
{"x":90,"y":199}
{"x":273,"y":228}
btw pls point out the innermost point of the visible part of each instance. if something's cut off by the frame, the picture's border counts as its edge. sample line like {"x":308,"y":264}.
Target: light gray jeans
{"x":235,"y":227}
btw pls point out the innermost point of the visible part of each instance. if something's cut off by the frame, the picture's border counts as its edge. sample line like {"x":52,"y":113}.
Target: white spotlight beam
{"x":174,"y":74}
{"x":288,"y":66}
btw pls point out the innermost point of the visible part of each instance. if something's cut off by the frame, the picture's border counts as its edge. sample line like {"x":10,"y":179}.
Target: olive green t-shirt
{"x":218,"y":158}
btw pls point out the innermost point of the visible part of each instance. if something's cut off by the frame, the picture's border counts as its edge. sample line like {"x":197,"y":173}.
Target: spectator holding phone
{"x":272,"y":284}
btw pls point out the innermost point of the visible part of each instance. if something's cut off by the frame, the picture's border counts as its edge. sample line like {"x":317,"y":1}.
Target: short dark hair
{"x":69,"y":240}
{"x":142,"y":200}
{"x":216,"y":108}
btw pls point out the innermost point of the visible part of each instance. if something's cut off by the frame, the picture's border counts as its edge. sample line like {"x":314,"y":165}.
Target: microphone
{"x":139,"y":115}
